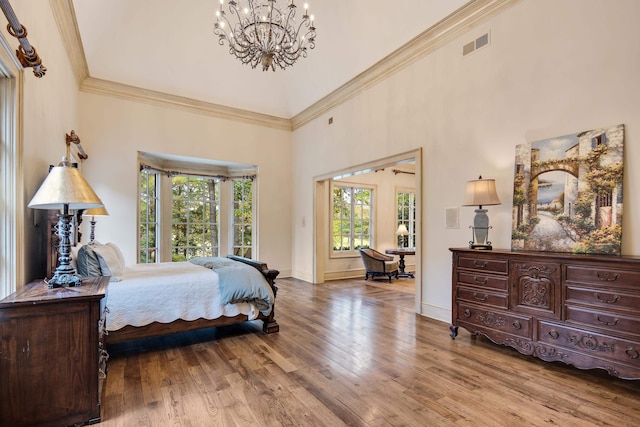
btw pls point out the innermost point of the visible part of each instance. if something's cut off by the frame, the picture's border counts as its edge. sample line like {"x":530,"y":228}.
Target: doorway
{"x":322,"y":208}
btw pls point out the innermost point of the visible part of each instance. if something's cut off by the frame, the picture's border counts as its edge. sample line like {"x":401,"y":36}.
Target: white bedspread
{"x":164,"y":292}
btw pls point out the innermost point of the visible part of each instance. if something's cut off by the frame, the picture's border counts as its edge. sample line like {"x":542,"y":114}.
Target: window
{"x":407,"y":215}
{"x":194,"y":207}
{"x":148,"y":221}
{"x":242,"y":217}
{"x":599,"y":140}
{"x":352,"y":218}
{"x":11,"y":205}
{"x":194,"y":217}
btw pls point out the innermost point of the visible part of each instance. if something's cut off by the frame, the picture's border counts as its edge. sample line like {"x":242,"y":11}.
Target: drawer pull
{"x":554,"y":334}
{"x":467,"y":313}
{"x":480,"y":280}
{"x":615,"y":321}
{"x":517,"y":325}
{"x":632,"y":353}
{"x":478,"y":298}
{"x":608,"y":301}
{"x":480,"y":264}
{"x":607,"y":276}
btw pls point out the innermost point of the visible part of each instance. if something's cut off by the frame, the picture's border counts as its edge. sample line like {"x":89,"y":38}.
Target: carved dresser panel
{"x":583,"y":310}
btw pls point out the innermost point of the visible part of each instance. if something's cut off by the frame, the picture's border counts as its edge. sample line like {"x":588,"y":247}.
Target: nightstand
{"x":50,"y":352}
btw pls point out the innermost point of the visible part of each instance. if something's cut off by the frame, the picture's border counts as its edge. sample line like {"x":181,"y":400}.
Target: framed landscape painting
{"x":567,"y":193}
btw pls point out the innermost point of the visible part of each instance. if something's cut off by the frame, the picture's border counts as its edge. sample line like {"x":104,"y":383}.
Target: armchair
{"x":378,"y":264}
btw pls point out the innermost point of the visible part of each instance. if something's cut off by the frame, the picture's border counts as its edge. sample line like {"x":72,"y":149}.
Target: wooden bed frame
{"x":129,"y":333}
{"x":269,"y":324}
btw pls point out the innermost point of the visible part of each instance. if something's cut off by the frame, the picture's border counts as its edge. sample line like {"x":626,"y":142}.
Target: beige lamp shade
{"x":101,"y":211}
{"x":481,"y":192}
{"x":402,"y":230}
{"x":65,"y":186}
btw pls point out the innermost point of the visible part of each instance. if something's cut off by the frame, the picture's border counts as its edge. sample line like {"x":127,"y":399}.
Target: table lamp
{"x":65,"y":188}
{"x":93,"y":213}
{"x":481,"y":192}
{"x":402,"y":231}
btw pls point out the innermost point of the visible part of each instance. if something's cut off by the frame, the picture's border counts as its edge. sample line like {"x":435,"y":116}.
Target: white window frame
{"x":156,"y":248}
{"x":225,"y":228}
{"x":410,"y":221}
{"x":215,"y":249}
{"x":12,"y":210}
{"x":353,"y":251}
{"x":235,"y":226}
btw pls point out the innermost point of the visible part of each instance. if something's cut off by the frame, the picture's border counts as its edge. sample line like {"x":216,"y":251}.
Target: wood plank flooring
{"x":352,"y":354}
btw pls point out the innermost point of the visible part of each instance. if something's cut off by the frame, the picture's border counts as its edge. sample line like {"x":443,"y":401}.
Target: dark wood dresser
{"x":50,"y":352}
{"x":583,"y":310}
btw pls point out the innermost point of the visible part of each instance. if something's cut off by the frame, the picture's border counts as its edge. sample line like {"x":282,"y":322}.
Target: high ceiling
{"x":169,"y":46}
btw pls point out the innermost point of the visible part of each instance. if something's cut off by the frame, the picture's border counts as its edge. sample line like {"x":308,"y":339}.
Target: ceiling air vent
{"x":476,"y":44}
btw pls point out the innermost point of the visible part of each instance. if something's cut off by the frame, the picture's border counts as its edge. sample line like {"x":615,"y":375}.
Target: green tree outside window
{"x":351,"y":218}
{"x":195,"y":217}
{"x":148,"y":221}
{"x":242,"y":217}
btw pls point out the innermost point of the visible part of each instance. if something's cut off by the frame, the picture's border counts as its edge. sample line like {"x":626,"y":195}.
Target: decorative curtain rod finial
{"x":26,"y":53}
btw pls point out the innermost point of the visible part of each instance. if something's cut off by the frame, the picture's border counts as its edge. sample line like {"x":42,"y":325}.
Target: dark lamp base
{"x":64,"y":280}
{"x":482,"y":247}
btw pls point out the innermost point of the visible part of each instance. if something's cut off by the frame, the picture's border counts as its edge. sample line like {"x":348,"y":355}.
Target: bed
{"x":148,"y":300}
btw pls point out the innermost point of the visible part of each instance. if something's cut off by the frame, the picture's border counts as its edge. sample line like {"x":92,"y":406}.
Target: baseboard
{"x":349,"y":274}
{"x":302,"y":275}
{"x":284,"y":274}
{"x":436,"y":312}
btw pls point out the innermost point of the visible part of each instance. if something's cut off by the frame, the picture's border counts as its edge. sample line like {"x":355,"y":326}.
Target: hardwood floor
{"x":349,"y":353}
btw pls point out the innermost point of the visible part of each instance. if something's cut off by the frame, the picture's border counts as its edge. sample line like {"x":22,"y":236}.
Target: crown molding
{"x":65,"y":16}
{"x":133,"y":93}
{"x":458,"y":22}
{"x":452,"y":26}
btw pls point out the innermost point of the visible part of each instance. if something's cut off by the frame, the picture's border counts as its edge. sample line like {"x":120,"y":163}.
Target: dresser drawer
{"x":496,"y":320}
{"x":479,"y":296}
{"x":603,"y":276}
{"x":483,"y":280}
{"x":493,"y":265}
{"x":611,"y":321}
{"x":609,"y":298}
{"x":595,"y":344}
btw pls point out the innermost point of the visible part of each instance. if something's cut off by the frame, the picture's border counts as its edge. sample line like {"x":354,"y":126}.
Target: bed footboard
{"x":269,"y":324}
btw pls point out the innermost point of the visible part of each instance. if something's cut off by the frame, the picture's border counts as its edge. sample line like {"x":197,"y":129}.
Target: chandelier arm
{"x":219,"y":29}
{"x":305,"y":20}
{"x":256,"y":20}
{"x":290,"y":15}
{"x":233,"y":9}
{"x":271,"y":23}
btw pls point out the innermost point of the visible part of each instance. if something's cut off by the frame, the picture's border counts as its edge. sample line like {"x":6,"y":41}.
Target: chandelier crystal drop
{"x":263,"y":32}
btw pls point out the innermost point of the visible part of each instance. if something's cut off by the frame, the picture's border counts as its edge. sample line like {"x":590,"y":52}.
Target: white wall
{"x":49,"y":111}
{"x":552,"y":68}
{"x":113,"y":130}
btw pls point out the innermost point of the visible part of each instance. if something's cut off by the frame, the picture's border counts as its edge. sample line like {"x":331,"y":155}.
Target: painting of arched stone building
{"x":567,"y":194}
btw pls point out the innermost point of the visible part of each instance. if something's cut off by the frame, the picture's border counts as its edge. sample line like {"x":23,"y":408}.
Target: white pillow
{"x":118,"y":252}
{"x":111,"y":260}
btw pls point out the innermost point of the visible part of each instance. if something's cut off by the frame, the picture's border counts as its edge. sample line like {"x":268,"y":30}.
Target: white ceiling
{"x":169,"y":46}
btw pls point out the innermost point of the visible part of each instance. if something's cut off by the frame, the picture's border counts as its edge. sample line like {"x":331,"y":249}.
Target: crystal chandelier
{"x":261,"y":32}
